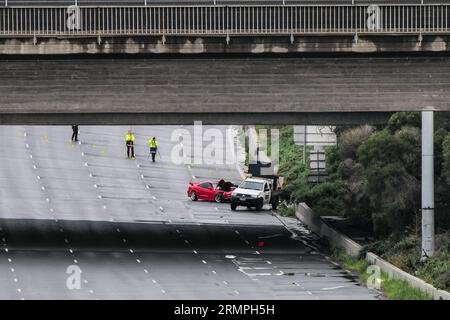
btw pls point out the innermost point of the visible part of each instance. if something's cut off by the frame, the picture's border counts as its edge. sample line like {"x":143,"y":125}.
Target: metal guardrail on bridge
{"x":215,"y":20}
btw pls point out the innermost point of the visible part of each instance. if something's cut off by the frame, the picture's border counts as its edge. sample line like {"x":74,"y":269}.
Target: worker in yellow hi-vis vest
{"x":129,"y":140}
{"x":153,"y":144}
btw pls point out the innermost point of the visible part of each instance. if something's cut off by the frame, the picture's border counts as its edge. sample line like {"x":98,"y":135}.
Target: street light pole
{"x":427,"y":185}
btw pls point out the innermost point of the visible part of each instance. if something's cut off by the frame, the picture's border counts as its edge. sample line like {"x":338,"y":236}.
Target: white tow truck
{"x":255,"y":192}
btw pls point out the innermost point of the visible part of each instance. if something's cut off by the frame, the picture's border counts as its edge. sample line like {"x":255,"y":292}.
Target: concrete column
{"x":427,"y":185}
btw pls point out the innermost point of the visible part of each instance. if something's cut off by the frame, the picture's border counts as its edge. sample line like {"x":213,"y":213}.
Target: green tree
{"x":390,"y":164}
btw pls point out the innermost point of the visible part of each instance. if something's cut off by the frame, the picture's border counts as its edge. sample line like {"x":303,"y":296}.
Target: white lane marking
{"x":16,"y":280}
{"x":268,"y":262}
{"x":257,"y":252}
{"x":195,"y":252}
{"x":230,"y":256}
{"x":9,"y":260}
{"x":178,"y":231}
{"x":124,"y":240}
{"x":204,"y":262}
{"x":38,"y":177}
{"x":246,"y":242}
{"x":43,"y":188}
{"x":161,"y":208}
{"x":163,"y":291}
{"x":237,"y":292}
{"x":186,"y":241}
{"x":91,"y":291}
{"x":75,"y":261}
{"x":138,"y":261}
{"x":214,"y":272}
{"x":145,"y":270}
{"x":19,"y":290}
{"x":12,"y":270}
{"x":154,"y":281}
{"x":118,"y":230}
{"x":334,"y":288}
{"x":225,"y":283}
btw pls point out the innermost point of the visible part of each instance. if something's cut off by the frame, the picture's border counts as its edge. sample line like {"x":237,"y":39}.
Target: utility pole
{"x":427,"y":184}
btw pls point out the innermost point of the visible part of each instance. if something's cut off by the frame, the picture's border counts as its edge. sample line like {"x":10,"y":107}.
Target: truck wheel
{"x":259,"y":205}
{"x":233,"y":206}
{"x":194,"y":196}
{"x":275,"y":204}
{"x":218,"y":198}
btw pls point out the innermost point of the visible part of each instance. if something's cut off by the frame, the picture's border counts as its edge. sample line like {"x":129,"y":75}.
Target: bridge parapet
{"x":244,"y":19}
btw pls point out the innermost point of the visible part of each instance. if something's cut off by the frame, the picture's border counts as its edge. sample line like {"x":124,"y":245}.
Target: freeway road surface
{"x":132,"y":231}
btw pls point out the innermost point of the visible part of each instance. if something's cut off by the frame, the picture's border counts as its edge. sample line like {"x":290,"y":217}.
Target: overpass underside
{"x":220,"y":91}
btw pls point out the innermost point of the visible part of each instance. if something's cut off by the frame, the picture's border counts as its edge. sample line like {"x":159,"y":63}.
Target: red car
{"x":210,"y":191}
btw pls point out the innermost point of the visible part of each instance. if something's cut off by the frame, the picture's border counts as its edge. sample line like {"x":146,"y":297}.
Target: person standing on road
{"x":74,"y":133}
{"x":129,"y":140}
{"x":153,"y":144}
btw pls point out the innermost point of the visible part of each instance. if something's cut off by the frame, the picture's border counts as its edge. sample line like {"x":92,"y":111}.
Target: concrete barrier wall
{"x":318,"y":226}
{"x":338,"y":240}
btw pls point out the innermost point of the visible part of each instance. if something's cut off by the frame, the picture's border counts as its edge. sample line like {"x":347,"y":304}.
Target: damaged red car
{"x":219,"y":191}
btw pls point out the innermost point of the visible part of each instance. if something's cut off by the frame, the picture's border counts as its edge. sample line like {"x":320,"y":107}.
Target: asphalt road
{"x":130,"y":228}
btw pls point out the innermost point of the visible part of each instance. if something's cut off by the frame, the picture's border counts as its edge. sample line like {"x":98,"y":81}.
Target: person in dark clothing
{"x":75,"y":133}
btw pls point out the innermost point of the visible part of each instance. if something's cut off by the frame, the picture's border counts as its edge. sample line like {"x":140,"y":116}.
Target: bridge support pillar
{"x":427,"y":185}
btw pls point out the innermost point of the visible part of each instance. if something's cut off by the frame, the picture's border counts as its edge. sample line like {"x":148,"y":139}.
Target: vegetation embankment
{"x":374,"y":182}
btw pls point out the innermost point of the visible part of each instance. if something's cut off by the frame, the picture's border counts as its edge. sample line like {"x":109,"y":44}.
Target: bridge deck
{"x":217,"y":90}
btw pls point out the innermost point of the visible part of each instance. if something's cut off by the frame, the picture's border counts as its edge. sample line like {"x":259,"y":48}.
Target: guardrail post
{"x":427,"y":185}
